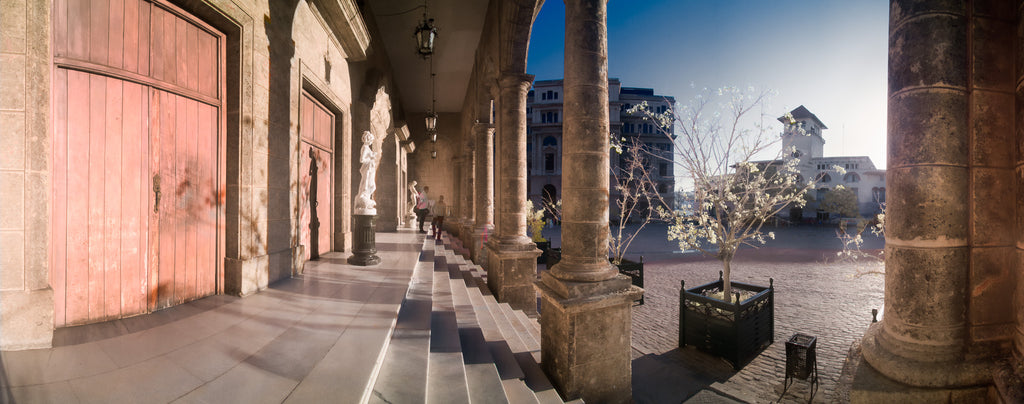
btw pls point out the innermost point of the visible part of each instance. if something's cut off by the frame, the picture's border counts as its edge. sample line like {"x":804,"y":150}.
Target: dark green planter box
{"x":544,"y":247}
{"x":736,"y":331}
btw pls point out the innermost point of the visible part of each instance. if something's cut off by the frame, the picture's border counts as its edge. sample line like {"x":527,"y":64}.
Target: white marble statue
{"x":365,"y":204}
{"x":411,"y":214}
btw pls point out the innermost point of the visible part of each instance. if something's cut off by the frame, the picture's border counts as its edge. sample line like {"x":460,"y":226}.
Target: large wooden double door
{"x":316,"y":128}
{"x":137,"y":185}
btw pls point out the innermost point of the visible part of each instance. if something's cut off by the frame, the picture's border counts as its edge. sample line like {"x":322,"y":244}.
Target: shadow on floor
{"x":5,"y":392}
{"x":676,"y":375}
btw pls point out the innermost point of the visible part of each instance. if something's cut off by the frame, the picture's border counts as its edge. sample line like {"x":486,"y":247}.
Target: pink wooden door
{"x":137,"y":112}
{"x":316,"y":126}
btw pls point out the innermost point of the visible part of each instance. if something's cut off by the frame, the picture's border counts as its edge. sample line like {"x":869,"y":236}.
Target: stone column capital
{"x":512,"y":79}
{"x":482,"y":126}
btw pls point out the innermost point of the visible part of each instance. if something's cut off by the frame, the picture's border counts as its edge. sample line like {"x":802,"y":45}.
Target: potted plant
{"x":535,"y":224}
{"x":721,"y":147}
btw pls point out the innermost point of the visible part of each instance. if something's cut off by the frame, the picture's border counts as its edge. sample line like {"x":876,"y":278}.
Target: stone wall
{"x":26,"y":300}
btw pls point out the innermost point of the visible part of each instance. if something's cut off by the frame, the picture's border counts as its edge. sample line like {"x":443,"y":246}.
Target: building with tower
{"x":859,"y":174}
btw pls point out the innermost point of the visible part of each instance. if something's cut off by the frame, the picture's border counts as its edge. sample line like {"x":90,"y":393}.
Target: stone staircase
{"x":454,"y":343}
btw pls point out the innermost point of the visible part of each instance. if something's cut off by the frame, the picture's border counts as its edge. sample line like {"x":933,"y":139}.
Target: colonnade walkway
{"x":419,"y":327}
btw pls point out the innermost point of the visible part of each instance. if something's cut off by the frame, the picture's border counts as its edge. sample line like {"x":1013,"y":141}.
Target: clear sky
{"x":828,"y":55}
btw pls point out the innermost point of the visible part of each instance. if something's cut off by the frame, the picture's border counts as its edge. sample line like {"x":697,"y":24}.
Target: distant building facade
{"x":861,"y":176}
{"x":544,"y":111}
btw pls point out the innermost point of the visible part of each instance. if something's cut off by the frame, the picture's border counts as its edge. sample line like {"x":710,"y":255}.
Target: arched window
{"x":549,"y":141}
{"x":824,"y":178}
{"x":851,"y":177}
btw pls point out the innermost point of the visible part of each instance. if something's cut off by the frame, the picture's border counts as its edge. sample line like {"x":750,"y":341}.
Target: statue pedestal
{"x":364,"y":243}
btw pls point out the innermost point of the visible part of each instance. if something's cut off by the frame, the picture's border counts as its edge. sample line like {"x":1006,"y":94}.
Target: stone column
{"x":511,"y":255}
{"x":483,"y":209}
{"x":26,"y":298}
{"x":468,"y":212}
{"x":949,"y":219}
{"x":585,"y":303}
{"x":453,"y":223}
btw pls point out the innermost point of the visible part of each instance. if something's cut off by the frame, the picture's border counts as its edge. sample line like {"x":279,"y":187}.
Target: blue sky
{"x":828,"y":55}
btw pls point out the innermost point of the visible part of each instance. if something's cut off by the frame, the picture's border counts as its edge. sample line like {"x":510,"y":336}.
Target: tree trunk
{"x":726,"y":284}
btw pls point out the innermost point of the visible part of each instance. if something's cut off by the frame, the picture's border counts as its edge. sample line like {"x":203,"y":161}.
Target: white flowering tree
{"x":637,"y":200}
{"x":739,"y":173}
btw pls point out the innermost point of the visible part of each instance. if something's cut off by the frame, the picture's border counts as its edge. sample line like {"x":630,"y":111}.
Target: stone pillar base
{"x":298,"y":259}
{"x":466,"y":233}
{"x":1009,"y":382}
{"x":861,"y":383}
{"x":922,"y":365}
{"x":453,"y":226}
{"x":26,"y":319}
{"x":364,"y":249}
{"x":243,"y":277}
{"x":476,"y":245}
{"x":342,"y":241}
{"x":585,"y":337}
{"x":511,"y":273}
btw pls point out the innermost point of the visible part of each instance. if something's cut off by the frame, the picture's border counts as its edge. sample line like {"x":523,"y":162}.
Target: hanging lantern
{"x":431,"y":122}
{"x":433,"y":154}
{"x":433,"y":136}
{"x":425,"y":34}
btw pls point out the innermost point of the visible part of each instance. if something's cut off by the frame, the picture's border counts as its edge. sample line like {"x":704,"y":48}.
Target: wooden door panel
{"x":97,"y":191}
{"x":135,"y":163}
{"x":188,"y":207}
{"x":110,"y":169}
{"x":316,"y":128}
{"x":134,"y":200}
{"x":208,"y":199}
{"x":97,"y":146}
{"x":324,"y":202}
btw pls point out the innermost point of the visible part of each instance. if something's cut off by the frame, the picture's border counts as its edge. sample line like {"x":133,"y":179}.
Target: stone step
{"x":504,"y":359}
{"x":537,"y":380}
{"x":513,"y":336}
{"x":446,"y":372}
{"x":520,"y":325}
{"x":482,"y":374}
{"x":515,"y":342}
{"x":484,"y":381}
{"x":510,"y":379}
{"x":403,"y":372}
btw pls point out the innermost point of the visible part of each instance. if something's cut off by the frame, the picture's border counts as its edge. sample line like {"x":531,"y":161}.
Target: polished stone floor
{"x":305,"y":339}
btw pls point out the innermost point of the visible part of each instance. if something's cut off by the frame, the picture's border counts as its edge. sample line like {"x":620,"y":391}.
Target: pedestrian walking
{"x":422,"y":207}
{"x":439,"y":211}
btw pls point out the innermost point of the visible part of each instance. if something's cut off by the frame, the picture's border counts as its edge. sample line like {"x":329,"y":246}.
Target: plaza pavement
{"x":814,"y":295}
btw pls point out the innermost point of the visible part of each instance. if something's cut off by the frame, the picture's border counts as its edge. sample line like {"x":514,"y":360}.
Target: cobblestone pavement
{"x":811,"y":296}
